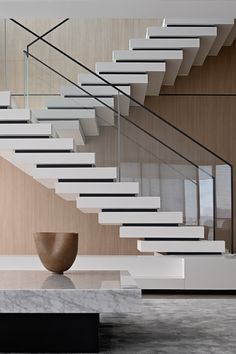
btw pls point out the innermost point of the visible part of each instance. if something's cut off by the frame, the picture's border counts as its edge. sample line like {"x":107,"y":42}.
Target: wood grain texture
{"x":89,"y":41}
{"x":27,"y":207}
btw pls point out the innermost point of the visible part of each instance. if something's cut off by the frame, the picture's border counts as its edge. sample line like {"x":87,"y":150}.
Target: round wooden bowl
{"x":56,"y":250}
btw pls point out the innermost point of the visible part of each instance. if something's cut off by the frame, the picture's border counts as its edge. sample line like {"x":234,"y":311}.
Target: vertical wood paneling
{"x":27,"y":207}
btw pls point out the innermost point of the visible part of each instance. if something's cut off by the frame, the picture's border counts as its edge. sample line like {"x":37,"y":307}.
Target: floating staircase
{"x":47,"y":151}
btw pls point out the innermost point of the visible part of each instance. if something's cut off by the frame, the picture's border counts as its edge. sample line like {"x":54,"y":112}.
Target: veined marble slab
{"x":74,"y":292}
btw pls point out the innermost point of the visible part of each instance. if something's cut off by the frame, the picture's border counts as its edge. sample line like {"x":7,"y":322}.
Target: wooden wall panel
{"x":88,"y":41}
{"x":27,"y":207}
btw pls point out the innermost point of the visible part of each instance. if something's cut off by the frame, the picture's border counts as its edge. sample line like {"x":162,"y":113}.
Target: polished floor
{"x":173,"y":325}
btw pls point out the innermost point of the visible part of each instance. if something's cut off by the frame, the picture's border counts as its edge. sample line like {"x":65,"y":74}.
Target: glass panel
{"x":206,"y":200}
{"x":191,"y":202}
{"x":166,"y":161}
{"x":223,"y":186}
{"x":159,"y":171}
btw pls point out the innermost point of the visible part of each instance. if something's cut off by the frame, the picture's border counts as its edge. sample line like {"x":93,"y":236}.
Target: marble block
{"x":74,"y":292}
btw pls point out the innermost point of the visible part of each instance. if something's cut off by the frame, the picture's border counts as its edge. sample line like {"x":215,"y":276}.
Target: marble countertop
{"x":33,"y":291}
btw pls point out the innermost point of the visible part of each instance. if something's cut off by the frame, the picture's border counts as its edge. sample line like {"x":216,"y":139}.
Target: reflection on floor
{"x":173,"y":325}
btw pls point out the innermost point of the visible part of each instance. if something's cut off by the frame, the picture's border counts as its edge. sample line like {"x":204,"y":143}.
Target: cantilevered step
{"x":207,"y":37}
{"x":138,"y":82}
{"x":75,"y":158}
{"x":49,"y":176}
{"x":101,"y":91}
{"x":14,"y":115}
{"x":40,"y":144}
{"x":87,"y":118}
{"x":69,"y":129}
{"x":97,"y":204}
{"x":25,"y":130}
{"x":119,"y":218}
{"x":28,"y":161}
{"x":172,"y":58}
{"x":97,"y":91}
{"x":5,"y":99}
{"x":104,"y":114}
{"x":190,"y":48}
{"x":181,"y":246}
{"x":155,"y":71}
{"x":224,"y":28}
{"x":191,"y":232}
{"x":70,"y":191}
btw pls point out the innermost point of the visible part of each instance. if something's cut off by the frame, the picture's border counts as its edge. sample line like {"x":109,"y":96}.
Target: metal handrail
{"x":122,"y":92}
{"x":115,"y":111}
{"x":137,"y":126}
{"x":46,"y":33}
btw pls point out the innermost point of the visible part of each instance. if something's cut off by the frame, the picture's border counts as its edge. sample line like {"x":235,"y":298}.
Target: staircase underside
{"x":45,"y":144}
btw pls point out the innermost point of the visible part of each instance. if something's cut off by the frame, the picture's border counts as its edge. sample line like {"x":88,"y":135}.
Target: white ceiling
{"x":117,"y":8}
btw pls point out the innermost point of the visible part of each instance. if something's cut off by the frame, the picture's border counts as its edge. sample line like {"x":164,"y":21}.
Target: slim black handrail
{"x":46,"y":33}
{"x":148,"y":110}
{"x":115,"y":111}
{"x":122,"y":92}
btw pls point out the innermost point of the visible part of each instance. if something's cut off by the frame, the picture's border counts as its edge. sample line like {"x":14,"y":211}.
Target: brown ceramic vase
{"x":57,"y":250}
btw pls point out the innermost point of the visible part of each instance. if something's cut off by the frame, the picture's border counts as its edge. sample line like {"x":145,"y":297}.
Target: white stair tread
{"x":25,"y":129}
{"x":119,"y":218}
{"x":224,"y":27}
{"x":163,"y":43}
{"x":155,"y":71}
{"x":17,"y":114}
{"x":64,"y":114}
{"x":113,"y":67}
{"x":190,"y":48}
{"x":5,"y":98}
{"x":28,"y":163}
{"x":113,"y":79}
{"x":142,"y":55}
{"x":181,"y":246}
{"x":197,"y":21}
{"x":76,"y":173}
{"x":102,"y":91}
{"x":96,"y":204}
{"x":162,"y":231}
{"x":179,"y":31}
{"x":49,"y":176}
{"x":69,"y":90}
{"x":104,"y":114}
{"x":70,"y":191}
{"x":86,"y":117}
{"x":172,"y":58}
{"x":86,"y":102}
{"x":207,"y":37}
{"x":37,"y":144}
{"x":138,"y":82}
{"x":53,"y":158}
